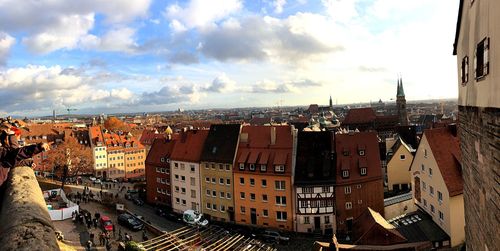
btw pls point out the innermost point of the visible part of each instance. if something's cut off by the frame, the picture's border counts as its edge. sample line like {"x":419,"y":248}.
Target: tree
{"x":80,"y":156}
{"x":114,"y":124}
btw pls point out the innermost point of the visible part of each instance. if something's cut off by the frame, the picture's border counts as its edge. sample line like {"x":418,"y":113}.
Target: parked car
{"x":130,"y":222}
{"x":106,"y":223}
{"x":270,"y":235}
{"x":172,"y":216}
{"x":92,"y":178}
{"x":138,"y":202}
{"x":194,"y":218}
{"x":97,"y":181}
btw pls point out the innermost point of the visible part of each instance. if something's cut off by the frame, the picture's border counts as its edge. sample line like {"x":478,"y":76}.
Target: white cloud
{"x":200,"y":13}
{"x":278,"y":6}
{"x":119,"y":39}
{"x":221,"y":84}
{"x":6,"y":42}
{"x":268,"y":86}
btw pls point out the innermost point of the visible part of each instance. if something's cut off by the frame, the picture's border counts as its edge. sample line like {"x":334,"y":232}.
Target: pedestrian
{"x":95,"y":223}
{"x":91,"y":237}
{"x":89,"y":224}
{"x":89,"y":245}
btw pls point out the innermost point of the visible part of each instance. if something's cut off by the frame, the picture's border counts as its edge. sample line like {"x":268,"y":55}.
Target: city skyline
{"x":159,"y":56}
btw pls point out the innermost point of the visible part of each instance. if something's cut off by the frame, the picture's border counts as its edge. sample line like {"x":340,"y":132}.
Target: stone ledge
{"x":25,"y":221}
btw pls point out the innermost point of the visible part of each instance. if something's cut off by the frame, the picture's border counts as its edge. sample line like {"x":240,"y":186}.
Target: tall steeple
{"x":331,"y":103}
{"x":401,"y":103}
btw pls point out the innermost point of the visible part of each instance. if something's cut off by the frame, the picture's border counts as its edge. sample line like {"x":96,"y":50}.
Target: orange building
{"x":263,"y":171}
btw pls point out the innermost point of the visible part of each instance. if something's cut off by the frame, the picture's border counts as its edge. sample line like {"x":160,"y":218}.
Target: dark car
{"x":274,"y":236}
{"x":138,"y":202}
{"x":130,"y":222}
{"x":172,"y":216}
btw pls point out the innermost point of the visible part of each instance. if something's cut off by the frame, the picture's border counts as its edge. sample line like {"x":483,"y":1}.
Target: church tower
{"x":401,"y":103}
{"x":331,"y":103}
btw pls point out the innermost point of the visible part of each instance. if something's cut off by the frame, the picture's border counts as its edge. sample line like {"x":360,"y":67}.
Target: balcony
{"x":25,"y":221}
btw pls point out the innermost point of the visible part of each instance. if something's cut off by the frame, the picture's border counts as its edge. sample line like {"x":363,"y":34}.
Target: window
{"x":209,"y":206}
{"x":425,"y":203}
{"x":228,"y":182}
{"x":252,"y":182}
{"x":327,"y":219}
{"x":208,"y":192}
{"x":402,"y":157}
{"x":182,"y":166}
{"x":222,"y":208}
{"x":177,"y":200}
{"x":214,"y":193}
{"x":423,"y":167}
{"x":347,"y":190}
{"x":221,"y":181}
{"x":192,"y":168}
{"x":308,"y":190}
{"x":193,"y":193}
{"x":432,"y":208}
{"x":281,"y":216}
{"x":481,"y":58}
{"x":363,"y":171}
{"x":361,"y":152}
{"x":221,"y":167}
{"x":242,"y":181}
{"x":183,"y":202}
{"x":242,"y":210}
{"x":348,"y":205}
{"x":214,"y":180}
{"x":242,"y":195}
{"x":222,"y":195}
{"x":279,"y":168}
{"x":207,"y":179}
{"x":345,"y":174}
{"x":265,"y":213}
{"x":242,"y":166}
{"x":183,"y":190}
{"x":213,"y":166}
{"x":440,"y":197}
{"x":176,"y":177}
{"x":193,"y":181}
{"x":176,"y":189}
{"x":263,"y":168}
{"x":228,"y":196}
{"x":279,"y":185}
{"x":252,"y":196}
{"x":425,"y":153}
{"x":162,"y":160}
{"x":325,"y":189}
{"x":157,"y":169}
{"x":264,"y":197}
{"x":346,"y":152}
{"x":252,"y":167}
{"x":206,"y":166}
{"x":281,"y":200}
{"x":424,"y":186}
{"x":464,"y":71}
{"x":441,"y":216}
{"x":306,"y":220}
{"x":304,"y":204}
{"x":183,"y":178}
{"x":228,"y":167}
{"x":158,"y":180}
{"x":430,"y":172}
{"x":431,"y":190}
{"x":264,"y":183}
{"x":214,"y":207}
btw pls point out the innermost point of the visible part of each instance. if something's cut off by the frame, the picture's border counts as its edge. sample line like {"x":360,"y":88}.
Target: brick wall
{"x":479,"y":131}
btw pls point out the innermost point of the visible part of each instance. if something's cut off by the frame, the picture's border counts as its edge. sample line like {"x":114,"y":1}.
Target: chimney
{"x":244,"y":137}
{"x":273,"y":135}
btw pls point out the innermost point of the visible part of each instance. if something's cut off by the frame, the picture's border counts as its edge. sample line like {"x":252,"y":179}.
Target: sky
{"x":157,"y":55}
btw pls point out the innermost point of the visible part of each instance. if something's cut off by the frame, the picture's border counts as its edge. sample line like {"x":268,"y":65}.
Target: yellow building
{"x":437,"y":181}
{"x":216,"y":171}
{"x":398,"y":166}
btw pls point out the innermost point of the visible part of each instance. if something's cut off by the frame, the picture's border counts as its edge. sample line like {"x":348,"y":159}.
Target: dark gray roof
{"x":221,"y":143}
{"x":418,"y":226}
{"x":315,"y":159}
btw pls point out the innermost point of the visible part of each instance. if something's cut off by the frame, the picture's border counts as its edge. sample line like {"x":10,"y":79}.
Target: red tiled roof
{"x":360,"y":116}
{"x":259,"y":144}
{"x":161,"y":148}
{"x":445,"y":149}
{"x":260,"y":121}
{"x":190,"y":146}
{"x":253,"y":157}
{"x":148,"y":136}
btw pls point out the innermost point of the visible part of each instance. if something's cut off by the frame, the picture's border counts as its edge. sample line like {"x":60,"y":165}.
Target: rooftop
{"x":315,"y":163}
{"x":220,"y":145}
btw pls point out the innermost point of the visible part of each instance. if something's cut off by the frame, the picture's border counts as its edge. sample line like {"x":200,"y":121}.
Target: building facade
{"x":185,"y":170}
{"x":263,"y":172}
{"x":398,"y":166}
{"x":216,"y":171}
{"x":437,"y":181}
{"x":476,"y":46}
{"x":314,"y":185}
{"x":158,"y":183}
{"x":359,"y":180}
{"x":98,"y":151}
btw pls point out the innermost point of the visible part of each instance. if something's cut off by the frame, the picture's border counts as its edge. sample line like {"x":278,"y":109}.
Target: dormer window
{"x":162,"y":160}
{"x":363,"y":171}
{"x":361,"y":152}
{"x":242,"y":166}
{"x":279,"y":168}
{"x":346,"y":152}
{"x":345,"y":174}
{"x":263,"y":168}
{"x":252,"y":167}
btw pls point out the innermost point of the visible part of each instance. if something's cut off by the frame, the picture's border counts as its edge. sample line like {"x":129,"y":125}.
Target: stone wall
{"x":479,"y":131}
{"x":25,"y":222}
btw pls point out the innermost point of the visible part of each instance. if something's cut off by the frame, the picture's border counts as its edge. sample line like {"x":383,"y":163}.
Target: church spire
{"x":401,"y":92}
{"x":331,"y":102}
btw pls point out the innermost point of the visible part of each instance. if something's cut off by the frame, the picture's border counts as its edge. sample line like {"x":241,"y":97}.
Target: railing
{"x":24,"y":219}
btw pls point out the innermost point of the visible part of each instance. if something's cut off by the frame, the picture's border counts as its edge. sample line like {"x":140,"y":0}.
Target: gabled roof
{"x":400,"y":143}
{"x":148,"y":136}
{"x":220,"y":145}
{"x":446,"y":151}
{"x":360,"y":116}
{"x":314,"y":163}
{"x":260,"y":121}
{"x":189,"y":146}
{"x":370,"y":228}
{"x":161,"y":148}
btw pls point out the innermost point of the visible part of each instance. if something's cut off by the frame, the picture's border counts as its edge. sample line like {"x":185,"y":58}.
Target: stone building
{"x":477,"y":47}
